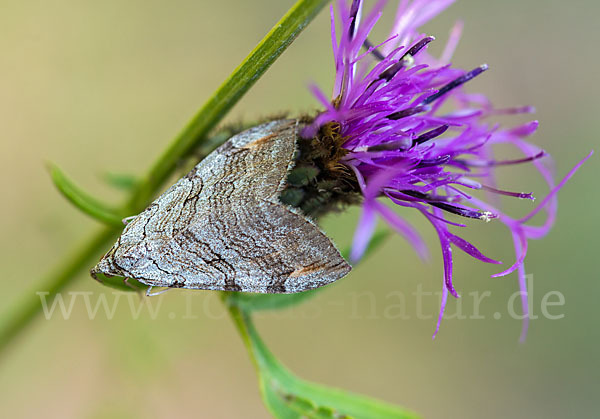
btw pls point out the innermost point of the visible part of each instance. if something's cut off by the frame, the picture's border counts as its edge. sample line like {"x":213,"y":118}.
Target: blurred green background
{"x":103,"y":86}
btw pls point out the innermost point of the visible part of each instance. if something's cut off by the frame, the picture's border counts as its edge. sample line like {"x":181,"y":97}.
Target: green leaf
{"x":288,"y":396}
{"x":118,"y":282}
{"x":120,"y":180}
{"x":255,"y":302}
{"x":376,"y":241}
{"x":82,"y":200}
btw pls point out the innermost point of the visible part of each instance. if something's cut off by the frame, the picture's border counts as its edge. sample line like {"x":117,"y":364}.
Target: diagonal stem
{"x":29,"y":307}
{"x":192,"y":136}
{"x":227,"y":95}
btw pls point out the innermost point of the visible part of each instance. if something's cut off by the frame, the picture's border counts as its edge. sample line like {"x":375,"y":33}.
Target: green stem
{"x":232,"y":89}
{"x":30,"y":306}
{"x":194,"y":135}
{"x":241,"y":322}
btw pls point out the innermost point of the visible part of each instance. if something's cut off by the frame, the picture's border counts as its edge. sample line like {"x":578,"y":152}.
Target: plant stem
{"x":227,"y":95}
{"x":193,"y":135}
{"x":240,"y":320}
{"x":30,"y":306}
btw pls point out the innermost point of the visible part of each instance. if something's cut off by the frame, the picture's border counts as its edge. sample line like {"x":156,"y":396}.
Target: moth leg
{"x":127,"y":220}
{"x":149,"y":292}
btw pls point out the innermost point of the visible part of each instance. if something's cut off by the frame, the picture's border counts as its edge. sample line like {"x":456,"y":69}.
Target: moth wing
{"x":253,"y":162}
{"x":222,"y":226}
{"x":266,"y":247}
{"x":252,"y":165}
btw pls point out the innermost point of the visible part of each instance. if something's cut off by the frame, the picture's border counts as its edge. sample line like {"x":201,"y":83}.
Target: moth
{"x":223,"y":227}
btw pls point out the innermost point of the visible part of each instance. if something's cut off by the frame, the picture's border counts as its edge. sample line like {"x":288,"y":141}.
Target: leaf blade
{"x":120,"y":283}
{"x":288,"y":396}
{"x":125,"y":182}
{"x":81,"y":200}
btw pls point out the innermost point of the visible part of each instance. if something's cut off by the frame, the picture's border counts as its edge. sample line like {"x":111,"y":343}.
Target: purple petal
{"x":441,"y":312}
{"x":363,"y":233}
{"x":405,"y":229}
{"x":469,"y":249}
{"x":555,"y":190}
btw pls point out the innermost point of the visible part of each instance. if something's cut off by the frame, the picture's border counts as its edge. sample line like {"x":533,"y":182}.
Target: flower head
{"x":403,"y":129}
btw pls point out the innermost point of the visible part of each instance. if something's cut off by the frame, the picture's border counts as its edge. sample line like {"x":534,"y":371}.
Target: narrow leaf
{"x":120,"y":180}
{"x":376,"y":241}
{"x":255,"y":302}
{"x":120,"y":283}
{"x":288,"y":396}
{"x":82,"y":200}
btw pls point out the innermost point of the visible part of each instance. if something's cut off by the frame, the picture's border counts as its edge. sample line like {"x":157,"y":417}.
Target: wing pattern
{"x":222,"y":226}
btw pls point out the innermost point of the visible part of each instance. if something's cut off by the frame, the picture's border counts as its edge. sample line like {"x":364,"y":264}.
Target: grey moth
{"x":223,"y":227}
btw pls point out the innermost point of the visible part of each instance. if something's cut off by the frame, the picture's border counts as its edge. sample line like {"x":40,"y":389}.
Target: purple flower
{"x":411,"y":135}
